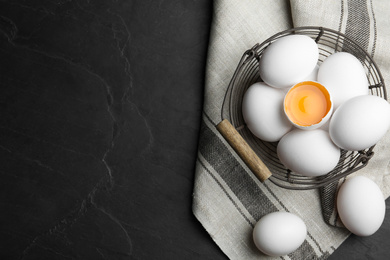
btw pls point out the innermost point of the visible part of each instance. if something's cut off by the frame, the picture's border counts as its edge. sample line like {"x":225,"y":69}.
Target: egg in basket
{"x":305,"y":108}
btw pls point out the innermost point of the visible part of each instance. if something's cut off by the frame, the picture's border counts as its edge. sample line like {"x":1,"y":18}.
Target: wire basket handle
{"x":241,"y":147}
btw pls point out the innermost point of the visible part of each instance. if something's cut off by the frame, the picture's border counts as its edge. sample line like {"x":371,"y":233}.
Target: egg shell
{"x":309,"y":153}
{"x":361,"y":205}
{"x":262,"y":109}
{"x":288,"y":60}
{"x":344,"y":76}
{"x":360,"y":122}
{"x":326,"y":117}
{"x":279,"y":233}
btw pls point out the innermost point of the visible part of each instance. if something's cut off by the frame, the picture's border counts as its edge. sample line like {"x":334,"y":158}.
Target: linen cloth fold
{"x":228,"y":199}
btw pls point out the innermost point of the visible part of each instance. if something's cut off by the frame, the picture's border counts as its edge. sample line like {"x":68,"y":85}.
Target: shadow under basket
{"x":260,"y":156}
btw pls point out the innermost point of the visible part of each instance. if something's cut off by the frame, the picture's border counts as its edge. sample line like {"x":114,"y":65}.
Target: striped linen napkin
{"x":228,"y":199}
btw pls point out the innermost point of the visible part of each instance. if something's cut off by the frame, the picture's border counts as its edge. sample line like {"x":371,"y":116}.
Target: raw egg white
{"x":279,"y":233}
{"x":309,"y":153}
{"x":288,"y":60}
{"x":262,"y":109}
{"x":360,"y":122}
{"x":344,"y":76}
{"x":361,"y":205}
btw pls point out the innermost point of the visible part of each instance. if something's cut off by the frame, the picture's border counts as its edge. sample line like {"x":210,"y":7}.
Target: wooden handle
{"x":254,"y":163}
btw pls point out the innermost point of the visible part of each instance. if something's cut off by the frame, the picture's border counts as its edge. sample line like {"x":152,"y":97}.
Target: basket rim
{"x":321,"y":31}
{"x":361,"y":157}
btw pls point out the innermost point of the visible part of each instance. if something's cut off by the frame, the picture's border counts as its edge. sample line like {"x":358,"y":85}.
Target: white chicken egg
{"x":309,"y":153}
{"x":288,"y":60}
{"x":279,"y":233}
{"x":262,"y":109}
{"x":361,"y":205}
{"x":360,"y":122}
{"x":344,"y":77}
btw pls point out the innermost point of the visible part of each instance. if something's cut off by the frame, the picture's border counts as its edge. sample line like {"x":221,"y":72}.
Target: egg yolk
{"x":307,"y":103}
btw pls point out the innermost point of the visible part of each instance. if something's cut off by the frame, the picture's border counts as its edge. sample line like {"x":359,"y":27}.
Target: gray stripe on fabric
{"x":276,"y":198}
{"x":316,"y":242}
{"x":375,"y":30}
{"x":358,"y":23}
{"x":341,"y":15}
{"x":215,"y":152}
{"x":226,"y":193}
{"x":225,"y":164}
{"x":306,"y":250}
{"x":209,"y":119}
{"x":357,"y":29}
{"x":328,"y":196}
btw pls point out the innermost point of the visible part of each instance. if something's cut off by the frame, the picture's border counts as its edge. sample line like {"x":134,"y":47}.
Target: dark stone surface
{"x":100,"y":112}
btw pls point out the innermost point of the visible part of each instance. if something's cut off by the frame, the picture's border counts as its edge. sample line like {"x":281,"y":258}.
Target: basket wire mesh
{"x":247,"y":73}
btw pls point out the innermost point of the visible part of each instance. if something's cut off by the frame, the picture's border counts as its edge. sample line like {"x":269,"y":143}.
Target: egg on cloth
{"x":360,"y":122}
{"x":262,"y":109}
{"x":310,"y":153}
{"x":288,"y":60}
{"x":279,"y":233}
{"x":361,"y":205}
{"x":344,"y":77}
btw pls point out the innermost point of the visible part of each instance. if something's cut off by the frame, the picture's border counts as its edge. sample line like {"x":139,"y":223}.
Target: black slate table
{"x":100,"y":112}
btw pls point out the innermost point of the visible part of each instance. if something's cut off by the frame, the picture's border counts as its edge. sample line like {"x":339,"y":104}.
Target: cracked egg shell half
{"x":308,"y":105}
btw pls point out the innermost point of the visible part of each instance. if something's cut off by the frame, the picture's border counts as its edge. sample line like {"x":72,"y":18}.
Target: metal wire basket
{"x":247,"y":73}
